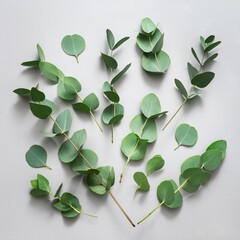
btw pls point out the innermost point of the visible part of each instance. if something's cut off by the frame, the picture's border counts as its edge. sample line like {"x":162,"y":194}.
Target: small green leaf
{"x":212,"y":46}
{"x":43,"y":183}
{"x":220,"y":145}
{"x":120,"y":74}
{"x":145,"y":128}
{"x":73,"y":45}
{"x":154,"y":164}
{"x":63,"y":122}
{"x":181,"y":88}
{"x":38,"y":193}
{"x":186,"y":135}
{"x":57,"y":194}
{"x":34,"y":183}
{"x":81,"y":107}
{"x":34,"y":64}
{"x":165,"y":192}
{"x":196,"y":176}
{"x":201,"y":80}
{"x":40,"y":111}
{"x":36,"y":156}
{"x":120,"y":42}
{"x":91,"y":101}
{"x":210,"y":39}
{"x":210,"y":59}
{"x":192,"y":162}
{"x":22,"y":92}
{"x":110,"y":93}
{"x":40,"y":53}
{"x":71,"y":201}
{"x":51,"y":72}
{"x":148,"y":26}
{"x":36,"y":95}
{"x":203,"y":43}
{"x":109,"y":61}
{"x":112,"y":114}
{"x":133,"y":147}
{"x":67,"y":152}
{"x":212,"y":159}
{"x":195,"y":55}
{"x":158,"y":47}
{"x":177,"y":197}
{"x":110,"y":39}
{"x":192,"y":71}
{"x":61,"y":207}
{"x":141,"y":180}
{"x":156,"y":62}
{"x":150,"y":105}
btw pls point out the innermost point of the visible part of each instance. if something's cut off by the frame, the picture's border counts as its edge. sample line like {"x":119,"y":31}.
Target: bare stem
{"x":177,"y":147}
{"x":48,"y":167}
{"x":124,"y":169}
{"x":112,"y":127}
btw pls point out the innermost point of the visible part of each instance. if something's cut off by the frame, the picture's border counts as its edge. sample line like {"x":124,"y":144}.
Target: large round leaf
{"x":211,"y":159}
{"x":156,"y":62}
{"x":36,"y":156}
{"x":63,"y":122}
{"x":112,"y":113}
{"x":40,"y":111}
{"x":192,"y":162}
{"x":150,"y":106}
{"x":165,"y":192}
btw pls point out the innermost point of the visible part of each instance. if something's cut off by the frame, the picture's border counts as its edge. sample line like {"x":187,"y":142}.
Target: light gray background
{"x":211,"y":213}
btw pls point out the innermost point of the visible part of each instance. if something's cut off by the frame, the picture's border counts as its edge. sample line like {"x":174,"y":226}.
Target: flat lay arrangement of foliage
{"x":195,"y":171}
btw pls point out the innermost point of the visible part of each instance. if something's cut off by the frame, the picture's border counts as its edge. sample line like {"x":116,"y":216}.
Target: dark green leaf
{"x":38,"y":193}
{"x":110,"y":39}
{"x":220,"y":145}
{"x":109,"y":61}
{"x":120,"y":74}
{"x":196,"y":176}
{"x":22,"y":92}
{"x":202,"y":79}
{"x":110,"y":93}
{"x":31,"y":64}
{"x":212,"y":159}
{"x":195,"y":55}
{"x":187,"y":187}
{"x":120,"y":42}
{"x":40,"y":111}
{"x":210,"y":39}
{"x":177,"y":197}
{"x":112,"y":114}
{"x":181,"y":88}
{"x":202,"y":41}
{"x":81,"y":107}
{"x":70,"y":213}
{"x":141,"y":180}
{"x":192,"y":162}
{"x":192,"y":71}
{"x":71,"y":201}
{"x":36,"y":156}
{"x":43,"y":183}
{"x":165,"y":192}
{"x":36,"y":95}
{"x":210,"y":59}
{"x":154,"y":164}
{"x":212,"y":46}
{"x":61,"y":207}
{"x":50,"y":104}
{"x":63,"y":122}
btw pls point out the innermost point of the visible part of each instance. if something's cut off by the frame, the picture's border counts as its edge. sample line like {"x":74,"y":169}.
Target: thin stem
{"x":143,"y":126}
{"x":48,"y":167}
{"x":177,"y":147}
{"x":150,"y":213}
{"x":181,"y":186}
{"x":87,"y":214}
{"x":112,"y":127}
{"x":175,"y":114}
{"x":77,"y":59}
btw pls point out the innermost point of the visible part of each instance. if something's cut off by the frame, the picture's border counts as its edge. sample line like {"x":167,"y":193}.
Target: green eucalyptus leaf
{"x":36,"y":156}
{"x":50,"y":104}
{"x":48,"y":134}
{"x":38,"y":193}
{"x":36,"y":95}
{"x":71,"y":213}
{"x":186,"y":135}
{"x":210,"y":59}
{"x":22,"y":92}
{"x":165,"y":192}
{"x":80,"y":106}
{"x":73,"y":45}
{"x":212,"y":46}
{"x":71,"y":201}
{"x":148,"y":26}
{"x":61,"y":207}
{"x":144,"y":127}
{"x":80,"y":165}
{"x":34,"y":64}
{"x":120,"y":42}
{"x":91,"y":101}
{"x":156,"y":62}
{"x":67,"y":152}
{"x":150,"y":105}
{"x":203,"y":43}
{"x":201,"y":80}
{"x":158,"y":47}
{"x":196,"y":176}
{"x":133,"y":147}
{"x":212,"y":159}
{"x":43,"y":183}
{"x":110,"y":39}
{"x":120,"y":74}
{"x":177,"y":197}
{"x":40,"y":111}
{"x":181,"y":88}
{"x":220,"y":145}
{"x":192,"y":71}
{"x":40,"y":53}
{"x":57,"y":194}
{"x":210,"y":39}
{"x":34,"y":183}
{"x":110,"y":93}
{"x":112,"y":114}
{"x":109,"y":61}
{"x":141,"y":180}
{"x":51,"y":72}
{"x":154,"y":164}
{"x":196,"y":56}
{"x":187,"y":187}
{"x":191,"y":162}
{"x":63,"y":122}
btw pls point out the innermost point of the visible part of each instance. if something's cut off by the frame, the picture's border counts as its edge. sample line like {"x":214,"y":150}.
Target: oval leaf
{"x":202,"y":79}
{"x":40,"y":111}
{"x":141,"y":180}
{"x":63,"y":122}
{"x":177,"y":197}
{"x":112,"y":114}
{"x":51,"y":72}
{"x":36,"y":156}
{"x":36,"y":95}
{"x":147,"y":25}
{"x":109,"y":61}
{"x":150,"y":105}
{"x":120,"y":74}
{"x":154,"y":164}
{"x":110,"y":39}
{"x":91,"y":101}
{"x":212,"y":159}
{"x":181,"y":88}
{"x":220,"y":145}
{"x":165,"y":192}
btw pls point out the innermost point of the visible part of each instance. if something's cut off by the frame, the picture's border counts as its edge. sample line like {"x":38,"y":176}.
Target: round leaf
{"x":154,"y":164}
{"x":220,"y":145}
{"x":165,"y":192}
{"x":147,"y":25}
{"x":40,"y":111}
{"x":202,"y":79}
{"x":150,"y":105}
{"x":50,"y":104}
{"x":63,"y":122}
{"x":192,"y":162}
{"x":36,"y":95}
{"x":141,"y":180}
{"x":91,"y":101}
{"x":112,"y":113}
{"x":211,"y":159}
{"x":110,"y":93}
{"x":36,"y":156}
{"x":187,"y":187}
{"x":51,"y":72}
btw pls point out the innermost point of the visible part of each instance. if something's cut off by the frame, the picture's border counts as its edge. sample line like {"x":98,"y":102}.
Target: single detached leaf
{"x":186,"y":135}
{"x":192,"y":71}
{"x":220,"y":145}
{"x":181,"y":88}
{"x":40,"y":111}
{"x":210,"y":59}
{"x":36,"y":156}
{"x":165,"y":192}
{"x":133,"y":147}
{"x":144,"y":127}
{"x":195,"y":55}
{"x":110,"y":93}
{"x":40,"y":53}
{"x":212,"y":159}
{"x":192,"y":162}
{"x":110,"y":39}
{"x":91,"y":101}
{"x":120,"y":74}
{"x":156,"y":62}
{"x":141,"y":180}
{"x":109,"y":61}
{"x":202,"y":79}
{"x":36,"y":95}
{"x":34,"y":64}
{"x":63,"y":122}
{"x":177,"y":197}
{"x":67,"y":152}
{"x":73,"y":45}
{"x":148,"y":26}
{"x":22,"y":92}
{"x":120,"y":42}
{"x":212,"y":46}
{"x":51,"y":72}
{"x":150,"y":105}
{"x":112,"y":114}
{"x":154,"y":164}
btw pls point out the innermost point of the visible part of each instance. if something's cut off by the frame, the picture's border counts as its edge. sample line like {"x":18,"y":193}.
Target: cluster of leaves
{"x":185,"y":135}
{"x":68,"y":88}
{"x":154,"y":164}
{"x":114,"y":112}
{"x":150,"y":41}
{"x":199,"y":78}
{"x":144,"y":130}
{"x":67,"y":204}
{"x":195,"y":172}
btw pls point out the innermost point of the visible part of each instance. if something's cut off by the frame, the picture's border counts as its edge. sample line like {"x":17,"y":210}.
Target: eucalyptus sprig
{"x":150,"y":41}
{"x":144,"y":130}
{"x":83,"y":161}
{"x":114,"y":112}
{"x":198,"y":77}
{"x":68,"y":88}
{"x":195,"y":172}
{"x":67,"y":203}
